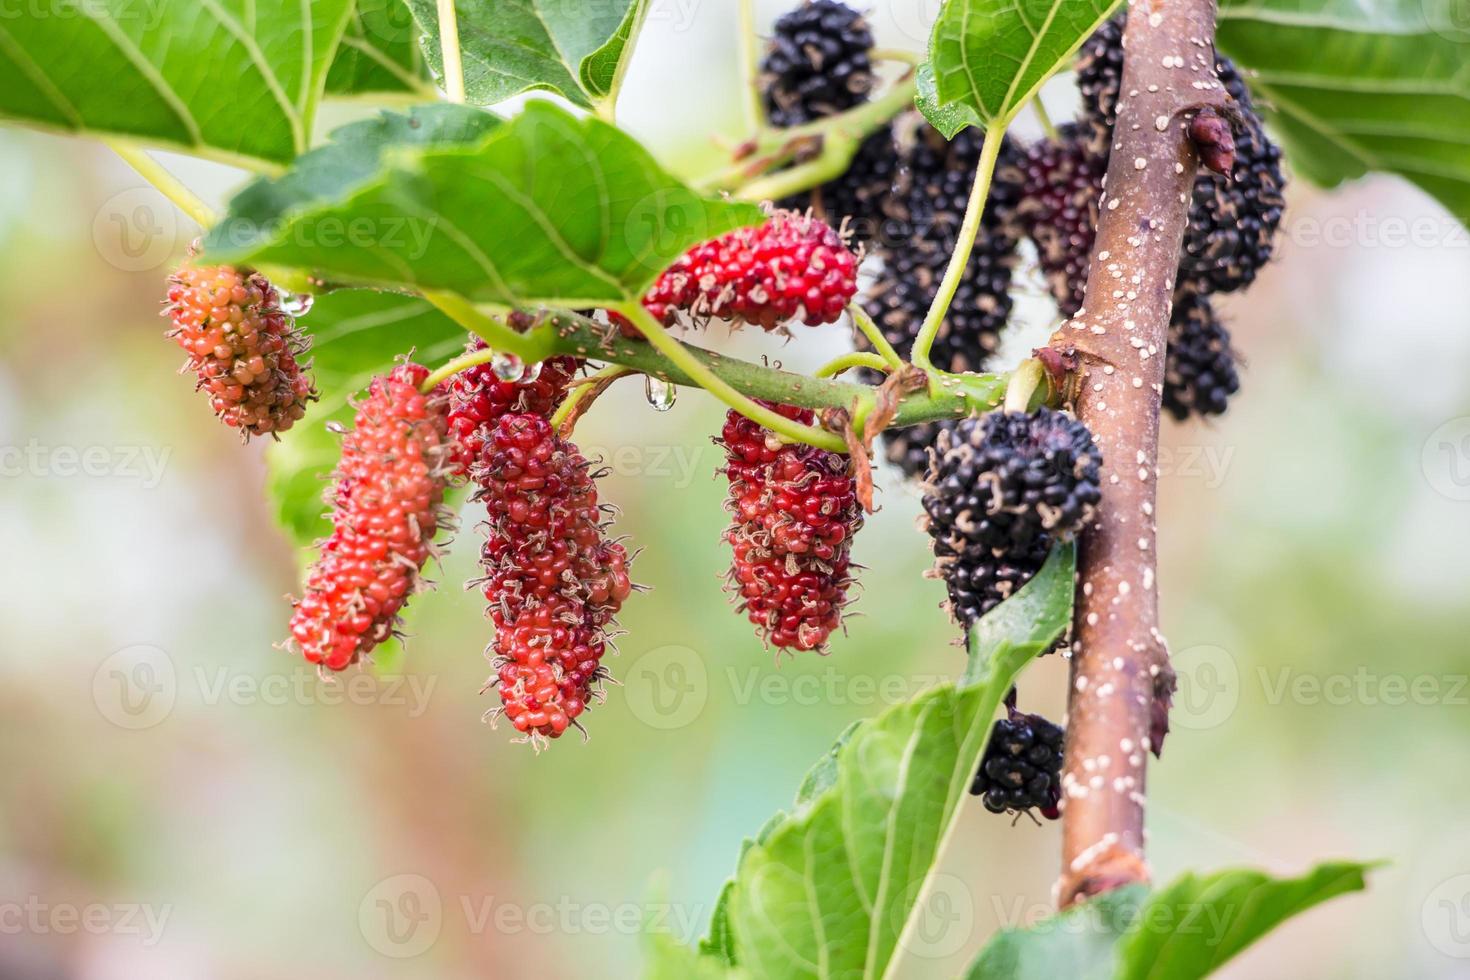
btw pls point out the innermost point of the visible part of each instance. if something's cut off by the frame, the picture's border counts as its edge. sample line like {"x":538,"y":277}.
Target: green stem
{"x":449,"y":48}
{"x":895,"y":54}
{"x":167,"y":184}
{"x":1025,"y":383}
{"x":1044,"y":118}
{"x":974,"y":210}
{"x":529,"y":347}
{"x":450,"y":368}
{"x":584,"y":387}
{"x":707,"y":379}
{"x":856,"y":359}
{"x":874,"y":334}
{"x":832,"y":162}
{"x":755,"y":110}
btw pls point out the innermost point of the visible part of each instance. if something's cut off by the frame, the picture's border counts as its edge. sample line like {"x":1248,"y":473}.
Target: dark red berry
{"x":478,"y":399}
{"x":795,"y":511}
{"x":243,"y":349}
{"x":386,"y":496}
{"x":1061,"y":182}
{"x":1022,"y":766}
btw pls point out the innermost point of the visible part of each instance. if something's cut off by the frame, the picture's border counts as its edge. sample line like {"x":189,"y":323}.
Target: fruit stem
{"x":452,"y":367}
{"x":874,"y":334}
{"x":449,"y":47}
{"x":755,"y":112}
{"x":1025,"y":381}
{"x":1042,"y":116}
{"x":707,"y":379}
{"x":974,"y":211}
{"x":856,"y":359}
{"x":166,"y":183}
{"x":1121,"y":677}
{"x":895,"y":54}
{"x":829,"y":164}
{"x":583,"y":391}
{"x":529,"y":347}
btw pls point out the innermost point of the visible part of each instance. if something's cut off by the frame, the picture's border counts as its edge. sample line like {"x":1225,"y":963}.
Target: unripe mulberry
{"x":795,"y":511}
{"x":1003,"y":489}
{"x":553,"y":580}
{"x":478,"y":399}
{"x":1232,"y":223}
{"x":1022,"y":766}
{"x":1199,"y":370}
{"x":386,"y":507}
{"x":817,"y":64}
{"x":1061,"y":183}
{"x":243,"y":348}
{"x":791,"y":267}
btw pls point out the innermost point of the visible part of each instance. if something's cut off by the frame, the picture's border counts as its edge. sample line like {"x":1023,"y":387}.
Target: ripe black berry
{"x":1199,"y":372}
{"x":1061,"y":182}
{"x":1022,"y":766}
{"x":817,"y":64}
{"x":858,"y":201}
{"x":1003,"y":489}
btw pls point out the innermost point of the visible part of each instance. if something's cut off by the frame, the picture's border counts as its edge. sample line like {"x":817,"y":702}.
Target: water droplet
{"x":660,"y":393}
{"x":508,"y":367}
{"x":532,"y":372}
{"x":297,"y":304}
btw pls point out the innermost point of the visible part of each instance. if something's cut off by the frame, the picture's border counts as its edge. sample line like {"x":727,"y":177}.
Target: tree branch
{"x":1120,"y":665}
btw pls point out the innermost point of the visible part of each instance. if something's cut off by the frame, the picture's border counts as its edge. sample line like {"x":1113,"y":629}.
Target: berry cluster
{"x":553,"y":580}
{"x":1199,"y":373}
{"x":385,"y":500}
{"x":793,"y":266}
{"x":1061,"y":181}
{"x":1232,"y":223}
{"x":1022,"y":766}
{"x":818,"y":63}
{"x":478,"y":397}
{"x":795,"y":511}
{"x":242,"y":347}
{"x":1003,"y":489}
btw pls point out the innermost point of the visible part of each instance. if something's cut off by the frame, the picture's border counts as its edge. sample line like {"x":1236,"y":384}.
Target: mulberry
{"x":1232,"y":224}
{"x":242,"y":347}
{"x":1003,"y":489}
{"x":795,"y":511}
{"x":860,"y":200}
{"x":1061,"y":181}
{"x":478,"y":399}
{"x":818,"y":63}
{"x":386,"y":508}
{"x":553,"y":580}
{"x":791,"y":267}
{"x":1022,"y":766}
{"x":1199,"y":369}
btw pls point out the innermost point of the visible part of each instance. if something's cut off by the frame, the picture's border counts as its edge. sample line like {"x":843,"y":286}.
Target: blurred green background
{"x":179,"y":799}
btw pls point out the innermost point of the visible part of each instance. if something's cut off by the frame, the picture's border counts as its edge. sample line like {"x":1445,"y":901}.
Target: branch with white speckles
{"x":1121,"y":679}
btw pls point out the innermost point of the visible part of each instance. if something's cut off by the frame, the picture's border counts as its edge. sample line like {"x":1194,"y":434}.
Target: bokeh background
{"x":180,"y":800}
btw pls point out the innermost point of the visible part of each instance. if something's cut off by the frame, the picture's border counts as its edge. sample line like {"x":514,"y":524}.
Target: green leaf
{"x":664,"y":958}
{"x":831,"y":888}
{"x":1077,"y":944}
{"x":356,"y":334}
{"x":1207,"y":919}
{"x":948,"y":119}
{"x":1358,"y":87}
{"x":512,"y":46}
{"x":988,"y":59}
{"x":1185,"y":930}
{"x":237,"y":80}
{"x":487,"y":218}
{"x":380,"y":53}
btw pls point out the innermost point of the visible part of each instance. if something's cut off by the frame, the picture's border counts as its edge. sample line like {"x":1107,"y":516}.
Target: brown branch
{"x":1120,"y":665}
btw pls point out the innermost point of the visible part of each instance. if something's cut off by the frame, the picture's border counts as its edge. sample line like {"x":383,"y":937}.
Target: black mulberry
{"x":1022,"y":766}
{"x":817,"y":64}
{"x":1199,"y":371}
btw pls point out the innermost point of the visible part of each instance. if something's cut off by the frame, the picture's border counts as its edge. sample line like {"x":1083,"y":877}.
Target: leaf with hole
{"x":227,"y":79}
{"x":579,"y":51}
{"x":988,"y":59}
{"x":481,"y":215}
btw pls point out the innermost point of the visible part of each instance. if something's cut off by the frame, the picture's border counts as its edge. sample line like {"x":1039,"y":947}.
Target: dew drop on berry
{"x":508,"y":367}
{"x":659,"y":393}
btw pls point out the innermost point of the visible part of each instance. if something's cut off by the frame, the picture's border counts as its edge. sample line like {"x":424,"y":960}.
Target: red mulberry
{"x":795,"y":512}
{"x":553,"y":580}
{"x":478,"y":399}
{"x":386,"y":507}
{"x":242,"y":347}
{"x":791,"y":267}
